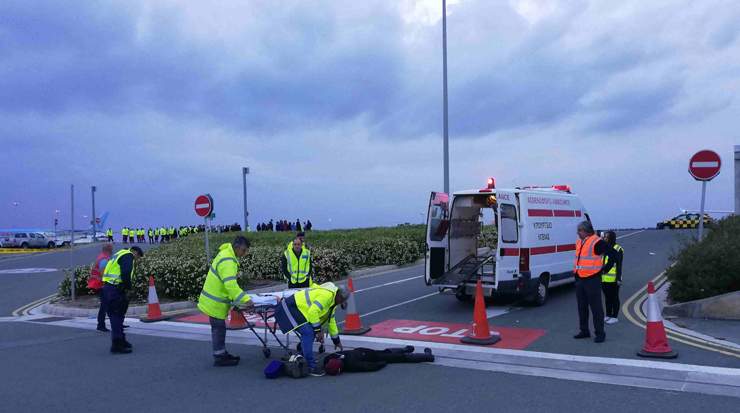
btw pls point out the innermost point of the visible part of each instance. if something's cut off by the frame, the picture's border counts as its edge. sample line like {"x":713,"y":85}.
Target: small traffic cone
{"x":153,"y":312}
{"x":236,"y":320}
{"x":656,"y":342}
{"x":352,"y":323}
{"x":481,"y":334}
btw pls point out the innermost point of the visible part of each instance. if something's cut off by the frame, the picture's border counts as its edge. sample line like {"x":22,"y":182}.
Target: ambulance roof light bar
{"x":490,"y":185}
{"x":564,"y":188}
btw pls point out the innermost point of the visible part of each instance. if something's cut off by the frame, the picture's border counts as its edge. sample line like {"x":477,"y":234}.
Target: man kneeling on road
{"x":306,"y":312}
{"x":118,"y":278}
{"x":220,"y":293}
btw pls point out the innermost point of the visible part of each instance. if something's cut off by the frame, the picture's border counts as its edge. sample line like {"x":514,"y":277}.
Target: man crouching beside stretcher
{"x":220,"y":293}
{"x":306,"y":311}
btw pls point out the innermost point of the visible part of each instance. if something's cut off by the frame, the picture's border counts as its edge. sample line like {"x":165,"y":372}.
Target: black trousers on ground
{"x":611,"y":298}
{"x":365,"y":359}
{"x":588,"y":293}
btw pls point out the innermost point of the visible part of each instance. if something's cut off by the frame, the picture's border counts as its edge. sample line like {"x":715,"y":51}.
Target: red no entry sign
{"x":203,"y":205}
{"x":705,"y":165}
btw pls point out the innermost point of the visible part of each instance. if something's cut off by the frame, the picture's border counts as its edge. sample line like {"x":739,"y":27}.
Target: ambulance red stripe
{"x":553,"y":213}
{"x":539,"y":212}
{"x":549,"y":249}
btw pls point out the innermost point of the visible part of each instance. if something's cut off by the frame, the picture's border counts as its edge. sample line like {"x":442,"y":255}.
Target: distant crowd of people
{"x":283,"y":225}
{"x":165,"y":233}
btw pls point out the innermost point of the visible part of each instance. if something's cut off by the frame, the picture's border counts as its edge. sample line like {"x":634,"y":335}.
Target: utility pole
{"x":72,"y":241}
{"x":737,"y":179}
{"x":94,"y":217}
{"x":245,"y":172}
{"x":446,"y":138}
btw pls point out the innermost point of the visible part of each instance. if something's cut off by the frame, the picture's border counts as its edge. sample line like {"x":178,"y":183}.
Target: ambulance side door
{"x":509,"y":236}
{"x":438,"y":223}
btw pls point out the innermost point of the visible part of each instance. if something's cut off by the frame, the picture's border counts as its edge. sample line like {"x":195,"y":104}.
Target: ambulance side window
{"x":509,"y":228}
{"x":438,"y":223}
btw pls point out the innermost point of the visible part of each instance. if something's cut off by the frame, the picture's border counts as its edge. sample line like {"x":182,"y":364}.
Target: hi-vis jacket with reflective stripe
{"x":611,"y":276}
{"x":298,"y":268}
{"x":587,"y":262}
{"x":317,"y":305}
{"x":112,"y":272}
{"x":221,"y":291}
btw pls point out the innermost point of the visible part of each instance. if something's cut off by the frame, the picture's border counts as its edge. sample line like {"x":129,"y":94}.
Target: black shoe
{"x":600,"y":339}
{"x":582,"y":334}
{"x":127,"y":344}
{"x":317,"y":372}
{"x":409,"y":349}
{"x":119,"y":348}
{"x":125,"y":326}
{"x":224,"y":360}
{"x":232,"y":356}
{"x":103,"y":329}
{"x":428,"y":351}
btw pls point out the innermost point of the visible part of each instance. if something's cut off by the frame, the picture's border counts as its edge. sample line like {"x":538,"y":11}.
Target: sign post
{"x":204,"y":208}
{"x":704,"y":166}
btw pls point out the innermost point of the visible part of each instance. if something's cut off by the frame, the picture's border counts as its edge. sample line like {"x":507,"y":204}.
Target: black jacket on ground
{"x":365,"y":359}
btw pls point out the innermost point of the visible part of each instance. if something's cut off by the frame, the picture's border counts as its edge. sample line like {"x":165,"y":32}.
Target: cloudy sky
{"x":336,"y":106}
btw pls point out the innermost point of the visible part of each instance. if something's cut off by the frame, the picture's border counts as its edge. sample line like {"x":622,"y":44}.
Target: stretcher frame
{"x":266,"y":312}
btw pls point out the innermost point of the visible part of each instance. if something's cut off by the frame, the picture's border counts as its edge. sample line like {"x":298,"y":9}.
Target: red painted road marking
{"x":511,"y":338}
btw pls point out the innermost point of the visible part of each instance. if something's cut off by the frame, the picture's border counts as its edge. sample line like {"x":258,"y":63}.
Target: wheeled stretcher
{"x":264,"y":308}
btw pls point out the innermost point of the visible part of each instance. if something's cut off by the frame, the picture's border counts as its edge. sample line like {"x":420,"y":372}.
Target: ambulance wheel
{"x":266,"y":352}
{"x":539,"y":296}
{"x":462,"y":297}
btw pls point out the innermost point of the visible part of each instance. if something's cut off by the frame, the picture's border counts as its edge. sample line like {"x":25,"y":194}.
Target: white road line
{"x":389,"y":283}
{"x":399,"y":304}
{"x":631,"y":234}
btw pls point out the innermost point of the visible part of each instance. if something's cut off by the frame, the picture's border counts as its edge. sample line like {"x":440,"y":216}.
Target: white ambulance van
{"x":531,"y":242}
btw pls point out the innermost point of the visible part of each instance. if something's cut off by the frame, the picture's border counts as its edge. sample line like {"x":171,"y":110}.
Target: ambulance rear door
{"x":509,"y":236}
{"x":438,"y":223}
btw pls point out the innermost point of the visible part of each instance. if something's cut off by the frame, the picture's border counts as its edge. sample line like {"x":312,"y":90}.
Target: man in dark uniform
{"x":117,"y":280}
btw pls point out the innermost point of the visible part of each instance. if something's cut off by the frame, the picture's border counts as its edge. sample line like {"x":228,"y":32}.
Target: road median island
{"x":179,"y":268}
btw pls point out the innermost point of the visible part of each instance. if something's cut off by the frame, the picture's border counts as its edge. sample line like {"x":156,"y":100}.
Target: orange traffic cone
{"x":656,"y":341}
{"x":352,"y":323}
{"x":236,"y":320}
{"x":153,"y":312}
{"x":481,"y":334}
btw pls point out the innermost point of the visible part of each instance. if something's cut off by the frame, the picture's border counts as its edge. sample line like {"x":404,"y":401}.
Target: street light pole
{"x":245,"y":172}
{"x":72,"y":240}
{"x":446,"y":137}
{"x":94,"y":219}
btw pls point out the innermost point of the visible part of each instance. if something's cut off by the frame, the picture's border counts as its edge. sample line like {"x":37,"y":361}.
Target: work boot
{"x":118,"y":347}
{"x":102,"y":329}
{"x":409,"y":349}
{"x":600,"y":339}
{"x":317,"y":372}
{"x":582,"y":334}
{"x":232,"y":356}
{"x":127,"y":344}
{"x":223,"y":360}
{"x":428,"y":351}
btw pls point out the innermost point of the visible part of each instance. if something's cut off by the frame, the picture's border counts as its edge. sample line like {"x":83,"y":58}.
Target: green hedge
{"x":710,"y":267}
{"x":180,"y":267}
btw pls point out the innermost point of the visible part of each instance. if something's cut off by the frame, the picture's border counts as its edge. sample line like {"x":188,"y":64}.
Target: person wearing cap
{"x":306,"y":312}
{"x":365,"y":359}
{"x":220,"y":293}
{"x":295,"y":265}
{"x":118,"y":278}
